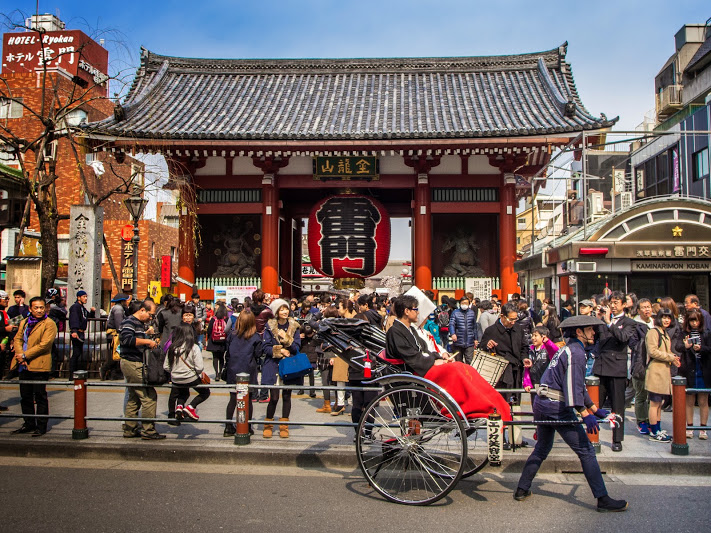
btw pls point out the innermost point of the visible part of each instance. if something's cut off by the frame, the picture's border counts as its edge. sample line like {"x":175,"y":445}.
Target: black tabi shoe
{"x":521,"y":494}
{"x":24,"y":429}
{"x":608,"y":505}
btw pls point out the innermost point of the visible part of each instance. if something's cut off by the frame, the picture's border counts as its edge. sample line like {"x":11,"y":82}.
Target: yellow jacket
{"x":39,"y":345}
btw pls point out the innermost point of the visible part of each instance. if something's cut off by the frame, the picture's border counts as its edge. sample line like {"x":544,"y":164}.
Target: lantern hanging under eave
{"x":349,"y":236}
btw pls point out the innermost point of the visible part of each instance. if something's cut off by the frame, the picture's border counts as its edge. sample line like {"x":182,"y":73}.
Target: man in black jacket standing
{"x":508,"y":340}
{"x":611,"y":362}
{"x":78,"y":315}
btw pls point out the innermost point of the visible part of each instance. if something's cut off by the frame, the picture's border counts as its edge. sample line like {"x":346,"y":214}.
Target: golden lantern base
{"x":349,"y":283}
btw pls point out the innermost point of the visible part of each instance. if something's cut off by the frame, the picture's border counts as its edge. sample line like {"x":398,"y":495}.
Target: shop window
{"x":700,"y":164}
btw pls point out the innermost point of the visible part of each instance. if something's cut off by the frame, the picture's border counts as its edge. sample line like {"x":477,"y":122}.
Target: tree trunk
{"x":50,"y":253}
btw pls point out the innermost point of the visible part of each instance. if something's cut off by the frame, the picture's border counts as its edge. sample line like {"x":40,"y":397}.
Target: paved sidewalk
{"x":308,"y":446}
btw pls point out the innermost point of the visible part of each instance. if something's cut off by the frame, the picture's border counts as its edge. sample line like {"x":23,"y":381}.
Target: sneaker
{"x":179,"y":415}
{"x":189,"y":411}
{"x":689,"y":434}
{"x":608,"y":505}
{"x":521,"y":494}
{"x":703,"y":435}
{"x":643,"y":428}
{"x":660,"y":436}
{"x":264,"y":400}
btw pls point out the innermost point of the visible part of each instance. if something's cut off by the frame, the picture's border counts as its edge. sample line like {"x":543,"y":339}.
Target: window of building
{"x":174,"y":253}
{"x":11,"y":108}
{"x":518,"y":240}
{"x":153,"y":249}
{"x":700,"y":164}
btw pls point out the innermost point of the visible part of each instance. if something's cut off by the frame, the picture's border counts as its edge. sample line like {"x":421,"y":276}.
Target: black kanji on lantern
{"x":348,"y":228}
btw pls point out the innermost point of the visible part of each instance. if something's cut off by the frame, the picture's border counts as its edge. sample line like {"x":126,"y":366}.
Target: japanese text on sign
{"x":346,"y":167}
{"x":127,"y":264}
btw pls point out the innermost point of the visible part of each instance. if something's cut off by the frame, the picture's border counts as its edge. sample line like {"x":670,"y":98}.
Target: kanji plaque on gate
{"x":346,"y":168}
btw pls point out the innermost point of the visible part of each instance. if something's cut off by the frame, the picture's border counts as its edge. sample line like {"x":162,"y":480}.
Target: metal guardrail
{"x":494,"y":424}
{"x":97,"y":348}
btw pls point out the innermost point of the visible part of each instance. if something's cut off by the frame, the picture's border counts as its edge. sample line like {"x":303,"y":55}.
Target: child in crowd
{"x":185,"y":364}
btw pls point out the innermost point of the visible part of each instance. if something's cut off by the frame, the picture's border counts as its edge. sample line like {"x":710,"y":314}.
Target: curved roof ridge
{"x":530,"y":89}
{"x":552,"y":58}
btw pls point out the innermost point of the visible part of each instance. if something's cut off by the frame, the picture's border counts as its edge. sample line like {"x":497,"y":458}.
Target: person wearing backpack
{"x":657,"y":379}
{"x":638,"y":364}
{"x":217,"y":339}
{"x":185,"y":364}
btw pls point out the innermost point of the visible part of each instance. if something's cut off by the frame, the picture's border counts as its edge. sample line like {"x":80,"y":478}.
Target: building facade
{"x":451,"y":144}
{"x":50,"y":67}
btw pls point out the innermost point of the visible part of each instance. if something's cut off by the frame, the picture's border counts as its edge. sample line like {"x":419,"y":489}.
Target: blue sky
{"x":615,"y":48}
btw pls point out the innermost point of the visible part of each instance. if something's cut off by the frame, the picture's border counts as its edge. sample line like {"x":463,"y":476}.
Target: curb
{"x":320,"y":456}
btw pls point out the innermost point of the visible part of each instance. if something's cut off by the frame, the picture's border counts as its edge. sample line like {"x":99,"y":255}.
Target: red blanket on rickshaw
{"x":472,"y":392}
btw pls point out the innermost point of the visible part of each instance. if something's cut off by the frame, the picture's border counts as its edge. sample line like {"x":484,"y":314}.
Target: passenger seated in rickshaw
{"x":473,"y":393}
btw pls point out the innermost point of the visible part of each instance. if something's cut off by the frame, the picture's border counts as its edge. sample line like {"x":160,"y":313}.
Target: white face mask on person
{"x":464,"y":307}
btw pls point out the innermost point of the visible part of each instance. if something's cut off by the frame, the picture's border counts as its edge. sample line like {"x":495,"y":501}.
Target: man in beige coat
{"x":33,"y":361}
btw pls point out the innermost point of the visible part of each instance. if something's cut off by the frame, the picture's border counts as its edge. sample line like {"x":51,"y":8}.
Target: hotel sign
{"x":71,"y":50}
{"x":346,"y":168}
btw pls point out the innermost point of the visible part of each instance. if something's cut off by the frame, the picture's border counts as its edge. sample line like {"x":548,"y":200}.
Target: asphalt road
{"x":79,"y":495}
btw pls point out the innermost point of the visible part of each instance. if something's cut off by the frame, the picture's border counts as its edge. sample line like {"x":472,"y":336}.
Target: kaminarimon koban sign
{"x":349,"y":236}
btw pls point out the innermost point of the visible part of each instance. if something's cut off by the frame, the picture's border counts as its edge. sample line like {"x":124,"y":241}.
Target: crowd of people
{"x":641,"y":345}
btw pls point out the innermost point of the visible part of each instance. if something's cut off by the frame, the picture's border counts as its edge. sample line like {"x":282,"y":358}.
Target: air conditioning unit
{"x":595,"y":203}
{"x":626,"y":199}
{"x":586,"y":266}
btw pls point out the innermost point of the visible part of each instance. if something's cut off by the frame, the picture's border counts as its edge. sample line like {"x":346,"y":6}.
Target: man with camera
{"x":611,"y":360}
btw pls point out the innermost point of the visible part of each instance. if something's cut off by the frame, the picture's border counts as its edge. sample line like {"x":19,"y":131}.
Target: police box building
{"x":260,"y":146}
{"x":657,"y":247}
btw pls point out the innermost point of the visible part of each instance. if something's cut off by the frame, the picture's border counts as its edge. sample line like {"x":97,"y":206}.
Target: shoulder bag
{"x":295,"y":366}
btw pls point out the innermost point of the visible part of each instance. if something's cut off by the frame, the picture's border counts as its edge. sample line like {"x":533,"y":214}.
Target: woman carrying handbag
{"x":281,"y":339}
{"x":185,"y":364}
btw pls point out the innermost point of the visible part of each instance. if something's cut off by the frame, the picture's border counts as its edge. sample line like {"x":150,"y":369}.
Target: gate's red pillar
{"x":422,"y":222}
{"x":507,"y":239}
{"x":186,"y":252}
{"x":270,"y":235}
{"x":270,"y":220}
{"x":422,"y":219}
{"x":182,"y":171}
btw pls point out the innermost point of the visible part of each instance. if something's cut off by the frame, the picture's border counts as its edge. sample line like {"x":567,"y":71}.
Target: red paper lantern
{"x":349,"y":236}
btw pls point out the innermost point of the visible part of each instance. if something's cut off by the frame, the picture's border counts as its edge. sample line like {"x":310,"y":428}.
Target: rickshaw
{"x":413,"y":442}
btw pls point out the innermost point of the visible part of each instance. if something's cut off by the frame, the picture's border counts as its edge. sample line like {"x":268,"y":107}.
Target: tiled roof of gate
{"x":313,"y":99}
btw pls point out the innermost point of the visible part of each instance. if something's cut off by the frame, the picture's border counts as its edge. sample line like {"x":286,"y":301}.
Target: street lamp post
{"x":135,"y":206}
